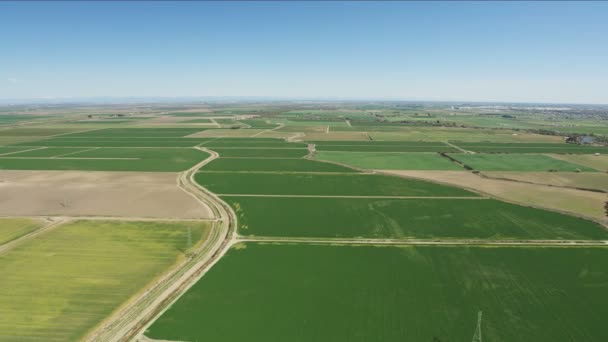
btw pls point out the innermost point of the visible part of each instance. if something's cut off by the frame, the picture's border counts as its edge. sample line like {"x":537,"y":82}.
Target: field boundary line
{"x":52,"y":223}
{"x":69,"y":158}
{"x":33,"y":149}
{"x":67,"y":154}
{"x":355,"y":196}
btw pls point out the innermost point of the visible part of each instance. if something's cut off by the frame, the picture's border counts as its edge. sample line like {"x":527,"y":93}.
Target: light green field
{"x":13,"y":228}
{"x":599,"y":163}
{"x":273,"y":165}
{"x":517,"y":162}
{"x":389,"y":160}
{"x":302,"y":293}
{"x":60,"y":285}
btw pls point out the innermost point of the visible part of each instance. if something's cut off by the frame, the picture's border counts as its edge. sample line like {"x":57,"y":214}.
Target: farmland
{"x":322,"y":184}
{"x":517,"y":162}
{"x":273,"y":165}
{"x":389,"y":160}
{"x":305,"y":221}
{"x":108,"y":159}
{"x":14,"y":228}
{"x":81,"y":272}
{"x":405,"y":218}
{"x":345,"y":293}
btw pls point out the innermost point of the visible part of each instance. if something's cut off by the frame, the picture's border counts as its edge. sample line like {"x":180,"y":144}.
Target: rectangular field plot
{"x":252,"y":143}
{"x":301,"y":293}
{"x":112,"y":159}
{"x":137,"y":133}
{"x":599,"y":163}
{"x":14,"y":228}
{"x":260,"y":152}
{"x":390,"y":160}
{"x":516,"y":162}
{"x":322,"y":184}
{"x":273,"y":165}
{"x":49,"y":152}
{"x":404,"y":218}
{"x":530,"y":148}
{"x":384,"y":146}
{"x":116,"y":142}
{"x":61,"y":284}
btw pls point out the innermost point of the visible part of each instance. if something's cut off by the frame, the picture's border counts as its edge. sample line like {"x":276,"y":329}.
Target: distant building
{"x":582,"y":140}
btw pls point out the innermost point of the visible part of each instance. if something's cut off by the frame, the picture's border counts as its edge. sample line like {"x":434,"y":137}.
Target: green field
{"x":137,"y":133}
{"x":63,"y":283}
{"x":390,"y":160}
{"x":252,"y":143}
{"x":386,"y":148}
{"x":322,"y":184}
{"x":288,"y":292}
{"x":14,"y":228}
{"x":516,"y":162}
{"x":112,"y":159}
{"x":12,"y":149}
{"x":404,"y":218}
{"x":530,"y":148}
{"x":260,"y":152}
{"x":117,"y":142}
{"x":273,"y":165}
{"x":206,"y":121}
{"x":48,"y":152}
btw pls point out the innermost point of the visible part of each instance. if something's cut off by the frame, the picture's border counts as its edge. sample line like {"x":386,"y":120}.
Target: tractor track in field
{"x":130,"y":322}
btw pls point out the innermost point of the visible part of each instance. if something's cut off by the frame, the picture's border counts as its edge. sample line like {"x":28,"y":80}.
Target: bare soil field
{"x":587,"y":180}
{"x":116,"y":194}
{"x":578,"y":202}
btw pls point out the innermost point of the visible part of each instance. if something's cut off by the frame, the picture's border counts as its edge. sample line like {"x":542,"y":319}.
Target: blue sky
{"x":462,"y":51}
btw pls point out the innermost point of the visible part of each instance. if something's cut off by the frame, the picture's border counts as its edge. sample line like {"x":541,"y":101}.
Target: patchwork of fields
{"x":328,"y":247}
{"x":307,"y":292}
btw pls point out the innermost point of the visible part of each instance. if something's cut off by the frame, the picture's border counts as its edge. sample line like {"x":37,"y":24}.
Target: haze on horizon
{"x":549,"y":52}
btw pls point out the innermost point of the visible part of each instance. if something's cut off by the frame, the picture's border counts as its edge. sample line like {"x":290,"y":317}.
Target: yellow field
{"x":61,"y":284}
{"x":13,"y":228}
{"x":587,"y":180}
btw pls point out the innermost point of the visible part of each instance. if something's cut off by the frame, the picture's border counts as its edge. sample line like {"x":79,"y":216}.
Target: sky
{"x":448,"y":51}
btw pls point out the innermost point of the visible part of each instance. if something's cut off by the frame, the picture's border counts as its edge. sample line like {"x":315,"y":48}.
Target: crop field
{"x":111,"y":159}
{"x":115,"y":142}
{"x":404,"y":218}
{"x":390,"y":160}
{"x":14,"y":228}
{"x":599,"y":163}
{"x":394,"y":294}
{"x":530,"y":148}
{"x":236,"y":152}
{"x":273,"y":165}
{"x":322,"y":184}
{"x":583,"y":180}
{"x":205,"y":121}
{"x":82,"y":271}
{"x":274,"y":143}
{"x":48,"y":152}
{"x":12,"y":149}
{"x":392,"y":146}
{"x":137,"y":133}
{"x":517,"y":162}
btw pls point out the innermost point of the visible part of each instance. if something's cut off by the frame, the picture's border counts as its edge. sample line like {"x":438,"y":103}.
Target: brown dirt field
{"x":114,"y":194}
{"x":577,"y":202}
{"x":585,"y":180}
{"x":597,"y":162}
